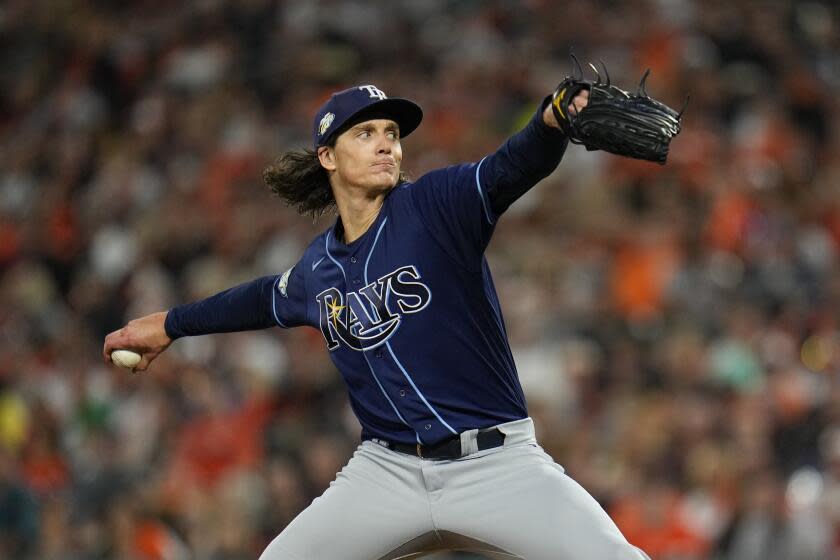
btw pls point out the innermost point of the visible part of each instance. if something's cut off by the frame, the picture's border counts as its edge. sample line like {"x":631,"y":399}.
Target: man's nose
{"x":384,"y":146}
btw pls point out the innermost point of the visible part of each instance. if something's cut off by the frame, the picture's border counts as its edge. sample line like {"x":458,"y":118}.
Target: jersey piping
{"x":391,"y":350}
{"x":370,"y":367}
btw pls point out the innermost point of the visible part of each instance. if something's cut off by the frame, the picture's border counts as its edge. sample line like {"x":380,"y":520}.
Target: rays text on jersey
{"x":368,"y":317}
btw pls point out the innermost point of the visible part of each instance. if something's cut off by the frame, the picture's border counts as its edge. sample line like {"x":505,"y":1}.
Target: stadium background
{"x":675,"y":328}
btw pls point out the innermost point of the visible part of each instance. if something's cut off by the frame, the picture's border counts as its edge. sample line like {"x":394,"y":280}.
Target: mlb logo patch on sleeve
{"x":284,"y":283}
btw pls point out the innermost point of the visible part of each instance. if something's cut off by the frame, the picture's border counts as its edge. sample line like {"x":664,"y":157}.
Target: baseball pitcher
{"x":400,"y":289}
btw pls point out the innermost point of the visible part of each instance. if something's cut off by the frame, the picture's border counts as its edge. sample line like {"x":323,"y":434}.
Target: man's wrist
{"x":169,"y":325}
{"x":546,"y":122}
{"x":548,"y":117}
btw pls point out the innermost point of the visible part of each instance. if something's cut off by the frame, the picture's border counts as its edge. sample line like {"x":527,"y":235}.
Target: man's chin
{"x":385,"y":184}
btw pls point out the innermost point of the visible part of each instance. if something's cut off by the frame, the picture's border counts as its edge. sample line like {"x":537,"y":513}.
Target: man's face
{"x":367,"y":155}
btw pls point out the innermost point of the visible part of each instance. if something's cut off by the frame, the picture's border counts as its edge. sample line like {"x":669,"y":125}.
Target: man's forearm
{"x":242,"y":308}
{"x":524,"y":159}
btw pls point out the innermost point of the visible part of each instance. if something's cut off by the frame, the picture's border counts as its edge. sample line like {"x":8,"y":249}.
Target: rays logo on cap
{"x":374,"y":92}
{"x":326,"y":121}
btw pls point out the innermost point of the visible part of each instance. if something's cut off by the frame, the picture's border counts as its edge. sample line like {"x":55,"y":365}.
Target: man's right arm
{"x":242,"y":308}
{"x":249,"y":306}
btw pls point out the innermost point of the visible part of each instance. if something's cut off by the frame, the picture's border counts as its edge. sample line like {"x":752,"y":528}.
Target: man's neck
{"x":358,"y":210}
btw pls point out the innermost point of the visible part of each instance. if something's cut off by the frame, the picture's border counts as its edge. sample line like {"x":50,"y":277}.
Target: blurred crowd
{"x":675,"y":328}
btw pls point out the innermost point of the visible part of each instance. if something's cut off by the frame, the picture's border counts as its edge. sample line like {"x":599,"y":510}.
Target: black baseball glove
{"x":632,"y":125}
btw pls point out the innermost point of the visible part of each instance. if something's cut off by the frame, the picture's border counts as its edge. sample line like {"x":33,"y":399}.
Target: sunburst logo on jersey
{"x":335,"y":311}
{"x":326,"y":121}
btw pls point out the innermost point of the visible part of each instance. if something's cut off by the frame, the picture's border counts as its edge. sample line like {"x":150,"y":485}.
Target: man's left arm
{"x":527,"y":157}
{"x":460,"y":204}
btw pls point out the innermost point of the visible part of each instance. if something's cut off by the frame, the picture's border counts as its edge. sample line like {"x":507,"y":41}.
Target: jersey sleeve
{"x":259,"y":304}
{"x":461,"y":204}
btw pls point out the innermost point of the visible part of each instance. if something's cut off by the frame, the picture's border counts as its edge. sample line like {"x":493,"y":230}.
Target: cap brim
{"x":407,"y":114}
{"x":404,"y":112}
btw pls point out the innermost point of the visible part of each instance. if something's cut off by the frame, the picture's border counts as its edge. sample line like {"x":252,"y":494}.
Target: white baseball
{"x":125,"y":358}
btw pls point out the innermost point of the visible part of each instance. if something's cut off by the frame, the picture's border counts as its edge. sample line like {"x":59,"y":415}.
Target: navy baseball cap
{"x":360,"y":101}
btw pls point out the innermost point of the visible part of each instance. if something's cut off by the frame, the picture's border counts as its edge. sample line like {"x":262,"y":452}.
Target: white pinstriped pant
{"x":511,"y":502}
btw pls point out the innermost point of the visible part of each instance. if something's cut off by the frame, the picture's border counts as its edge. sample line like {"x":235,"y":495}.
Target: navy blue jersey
{"x":408,"y":311}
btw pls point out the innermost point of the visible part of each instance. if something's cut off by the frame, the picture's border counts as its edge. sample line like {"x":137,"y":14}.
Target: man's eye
{"x":364,"y":134}
{"x":393,"y":135}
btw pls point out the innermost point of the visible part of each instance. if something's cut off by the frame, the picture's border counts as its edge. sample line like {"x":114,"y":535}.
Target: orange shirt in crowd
{"x":653,"y":523}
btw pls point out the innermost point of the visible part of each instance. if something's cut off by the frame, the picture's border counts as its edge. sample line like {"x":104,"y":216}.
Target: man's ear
{"x":326,"y":156}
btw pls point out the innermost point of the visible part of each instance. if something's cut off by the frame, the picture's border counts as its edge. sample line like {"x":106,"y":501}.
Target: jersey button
{"x":378,"y":353}
{"x":352,"y":259}
{"x":356,"y":281}
{"x":428,"y":426}
{"x":402,"y":392}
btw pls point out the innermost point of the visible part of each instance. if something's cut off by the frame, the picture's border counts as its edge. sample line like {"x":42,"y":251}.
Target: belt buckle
{"x":419,"y":451}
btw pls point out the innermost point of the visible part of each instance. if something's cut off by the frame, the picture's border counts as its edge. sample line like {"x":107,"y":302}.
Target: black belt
{"x":450,"y":448}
